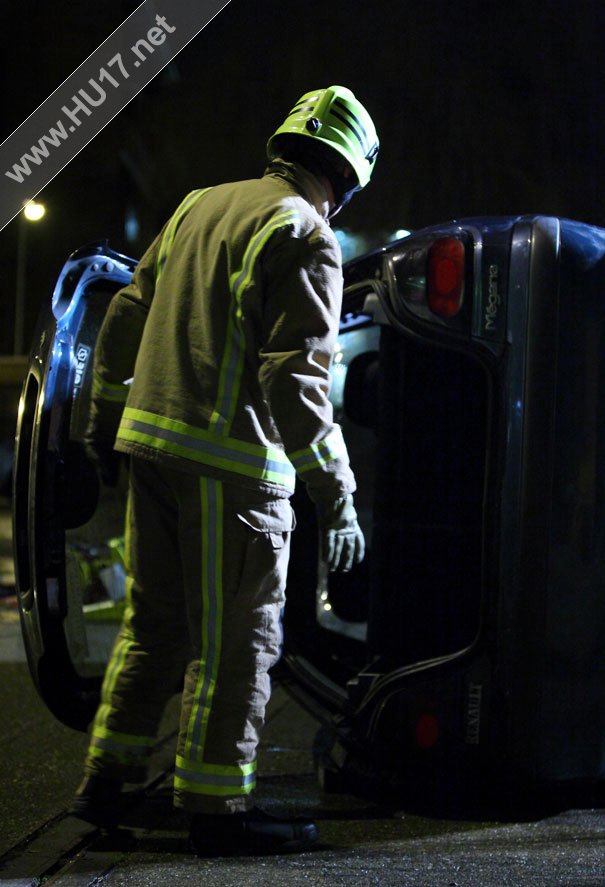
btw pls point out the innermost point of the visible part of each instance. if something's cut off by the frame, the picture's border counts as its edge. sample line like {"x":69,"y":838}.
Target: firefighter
{"x":232,"y":316}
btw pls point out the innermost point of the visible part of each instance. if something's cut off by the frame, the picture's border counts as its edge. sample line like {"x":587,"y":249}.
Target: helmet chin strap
{"x":342,"y":199}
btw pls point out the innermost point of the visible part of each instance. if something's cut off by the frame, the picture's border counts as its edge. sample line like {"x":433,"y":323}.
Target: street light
{"x":32,"y":212}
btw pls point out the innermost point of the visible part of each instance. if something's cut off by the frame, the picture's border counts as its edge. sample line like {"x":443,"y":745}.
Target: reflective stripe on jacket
{"x":232,"y":315}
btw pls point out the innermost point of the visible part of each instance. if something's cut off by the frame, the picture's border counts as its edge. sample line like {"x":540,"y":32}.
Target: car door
{"x":67,"y":529}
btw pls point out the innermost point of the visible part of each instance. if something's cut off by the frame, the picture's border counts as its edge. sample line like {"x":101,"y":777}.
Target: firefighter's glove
{"x":342,"y":542}
{"x":104,"y":458}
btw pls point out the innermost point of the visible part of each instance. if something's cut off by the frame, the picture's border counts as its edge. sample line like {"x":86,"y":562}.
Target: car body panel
{"x":486,"y":607}
{"x":63,"y":523}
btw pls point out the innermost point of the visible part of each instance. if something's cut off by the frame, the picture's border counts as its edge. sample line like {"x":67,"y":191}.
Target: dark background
{"x":481,"y":107}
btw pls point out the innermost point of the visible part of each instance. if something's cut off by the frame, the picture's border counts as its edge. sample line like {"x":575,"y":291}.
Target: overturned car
{"x":467,"y":651}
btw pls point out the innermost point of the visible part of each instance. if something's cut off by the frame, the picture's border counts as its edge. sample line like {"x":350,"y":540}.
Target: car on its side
{"x":467,"y":652}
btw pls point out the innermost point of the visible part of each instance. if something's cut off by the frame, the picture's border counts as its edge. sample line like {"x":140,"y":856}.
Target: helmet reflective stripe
{"x":370,"y":152}
{"x":351,"y":127}
{"x":334,"y":117}
{"x":307,"y":99}
{"x":298,"y":108}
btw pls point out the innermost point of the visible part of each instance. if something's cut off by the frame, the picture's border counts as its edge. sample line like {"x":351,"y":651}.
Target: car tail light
{"x":445,"y":281}
{"x":427,"y":731}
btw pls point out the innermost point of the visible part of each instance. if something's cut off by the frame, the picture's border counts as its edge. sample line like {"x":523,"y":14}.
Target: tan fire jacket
{"x":232,"y":315}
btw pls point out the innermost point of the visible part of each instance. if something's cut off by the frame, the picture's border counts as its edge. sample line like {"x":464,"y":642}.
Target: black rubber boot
{"x":97,"y":801}
{"x":253,"y":832}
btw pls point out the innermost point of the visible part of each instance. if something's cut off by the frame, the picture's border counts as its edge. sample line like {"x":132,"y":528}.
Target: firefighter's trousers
{"x":206,"y":568}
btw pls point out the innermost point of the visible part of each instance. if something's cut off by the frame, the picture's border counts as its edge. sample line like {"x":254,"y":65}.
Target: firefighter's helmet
{"x":334,"y":117}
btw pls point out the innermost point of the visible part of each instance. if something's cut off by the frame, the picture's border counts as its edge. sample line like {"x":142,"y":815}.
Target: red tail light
{"x":446,"y":276}
{"x":427,"y":731}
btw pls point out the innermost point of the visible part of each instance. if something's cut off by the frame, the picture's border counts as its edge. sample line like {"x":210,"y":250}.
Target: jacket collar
{"x":305,"y":183}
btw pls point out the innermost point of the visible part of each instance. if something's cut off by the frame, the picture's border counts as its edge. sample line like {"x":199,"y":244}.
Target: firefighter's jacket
{"x":232,"y":315}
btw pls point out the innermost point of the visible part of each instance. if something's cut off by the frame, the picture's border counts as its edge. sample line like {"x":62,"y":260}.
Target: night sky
{"x":481,"y":108}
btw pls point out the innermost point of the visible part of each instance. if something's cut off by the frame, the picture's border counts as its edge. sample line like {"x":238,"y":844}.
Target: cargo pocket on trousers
{"x":269,"y":525}
{"x":274,"y":520}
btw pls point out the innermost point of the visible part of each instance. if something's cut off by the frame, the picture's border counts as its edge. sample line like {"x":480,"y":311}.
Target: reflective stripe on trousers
{"x":207,"y":575}
{"x":192,"y":773}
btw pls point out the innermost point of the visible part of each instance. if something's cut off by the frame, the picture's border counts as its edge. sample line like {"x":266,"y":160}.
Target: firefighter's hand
{"x":104,"y":458}
{"x":342,"y":542}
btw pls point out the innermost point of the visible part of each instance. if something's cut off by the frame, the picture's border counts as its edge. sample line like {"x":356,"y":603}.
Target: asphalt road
{"x":362,"y":843}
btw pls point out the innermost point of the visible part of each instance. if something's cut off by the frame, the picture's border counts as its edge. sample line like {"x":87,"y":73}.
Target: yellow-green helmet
{"x":335,"y":117}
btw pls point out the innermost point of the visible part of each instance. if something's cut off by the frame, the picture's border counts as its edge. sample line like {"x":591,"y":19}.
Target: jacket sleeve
{"x":302,"y":284}
{"x":117,"y":346}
